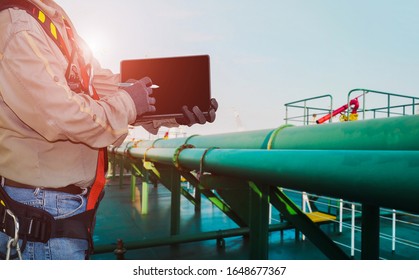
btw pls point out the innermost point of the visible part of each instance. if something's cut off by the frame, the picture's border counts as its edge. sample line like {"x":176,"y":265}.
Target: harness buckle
{"x":37,"y":228}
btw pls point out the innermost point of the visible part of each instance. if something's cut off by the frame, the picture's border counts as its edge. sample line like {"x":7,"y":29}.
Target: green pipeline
{"x":373,"y":161}
{"x":398,"y":133}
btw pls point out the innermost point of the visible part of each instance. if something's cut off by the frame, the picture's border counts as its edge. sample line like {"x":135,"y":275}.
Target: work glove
{"x":189,"y":118}
{"x":140,"y":93}
{"x":197,"y":116}
{"x":153,"y":126}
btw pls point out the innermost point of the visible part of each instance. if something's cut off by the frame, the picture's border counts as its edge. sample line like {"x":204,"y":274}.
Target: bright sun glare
{"x":99,"y":45}
{"x":102,"y":49}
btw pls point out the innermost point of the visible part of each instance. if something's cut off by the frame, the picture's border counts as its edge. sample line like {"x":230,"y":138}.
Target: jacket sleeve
{"x":35,"y":88}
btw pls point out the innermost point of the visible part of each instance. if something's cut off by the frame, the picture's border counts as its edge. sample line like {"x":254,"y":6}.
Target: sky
{"x":264,"y":53}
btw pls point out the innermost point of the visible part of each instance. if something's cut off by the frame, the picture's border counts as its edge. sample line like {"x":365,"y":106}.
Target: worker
{"x":59,"y":110}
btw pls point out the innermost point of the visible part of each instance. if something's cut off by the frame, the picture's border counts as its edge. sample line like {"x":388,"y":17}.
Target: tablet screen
{"x":181,"y":81}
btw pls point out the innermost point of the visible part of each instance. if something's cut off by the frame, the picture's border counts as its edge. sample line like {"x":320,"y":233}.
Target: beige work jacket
{"x":49,"y":135}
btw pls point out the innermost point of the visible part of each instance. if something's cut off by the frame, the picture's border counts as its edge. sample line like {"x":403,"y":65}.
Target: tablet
{"x":178,"y":81}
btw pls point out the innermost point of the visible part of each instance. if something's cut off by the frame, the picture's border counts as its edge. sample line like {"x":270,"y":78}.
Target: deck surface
{"x":120,"y":218}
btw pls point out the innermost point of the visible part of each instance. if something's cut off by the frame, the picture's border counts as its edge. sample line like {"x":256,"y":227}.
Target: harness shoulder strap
{"x":45,"y":22}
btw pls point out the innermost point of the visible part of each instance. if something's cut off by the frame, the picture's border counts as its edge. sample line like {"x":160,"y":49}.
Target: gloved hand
{"x":153,"y":126}
{"x":197,"y":116}
{"x":140,"y":93}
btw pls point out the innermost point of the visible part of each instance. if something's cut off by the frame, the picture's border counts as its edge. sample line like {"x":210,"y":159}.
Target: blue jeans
{"x":60,"y":205}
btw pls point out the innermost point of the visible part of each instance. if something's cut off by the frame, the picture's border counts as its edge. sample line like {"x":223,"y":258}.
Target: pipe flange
{"x":177,"y":153}
{"x":201,"y":162}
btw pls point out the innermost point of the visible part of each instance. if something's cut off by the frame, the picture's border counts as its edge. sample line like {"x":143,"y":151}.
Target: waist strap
{"x":72,"y":189}
{"x":38,"y":225}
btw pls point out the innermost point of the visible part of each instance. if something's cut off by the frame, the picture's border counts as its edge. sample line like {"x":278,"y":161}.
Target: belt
{"x":71,"y":189}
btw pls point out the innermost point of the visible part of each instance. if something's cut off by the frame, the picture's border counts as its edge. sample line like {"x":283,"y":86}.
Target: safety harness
{"x":32,"y":224}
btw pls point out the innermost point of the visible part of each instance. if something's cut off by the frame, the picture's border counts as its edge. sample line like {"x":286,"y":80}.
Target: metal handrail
{"x":306,"y":108}
{"x":388,"y":110}
{"x":388,"y":94}
{"x":393,"y":237}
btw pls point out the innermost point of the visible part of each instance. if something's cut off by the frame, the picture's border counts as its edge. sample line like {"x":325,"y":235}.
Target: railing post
{"x":353,"y":230}
{"x":393,"y":239}
{"x":340,"y":215}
